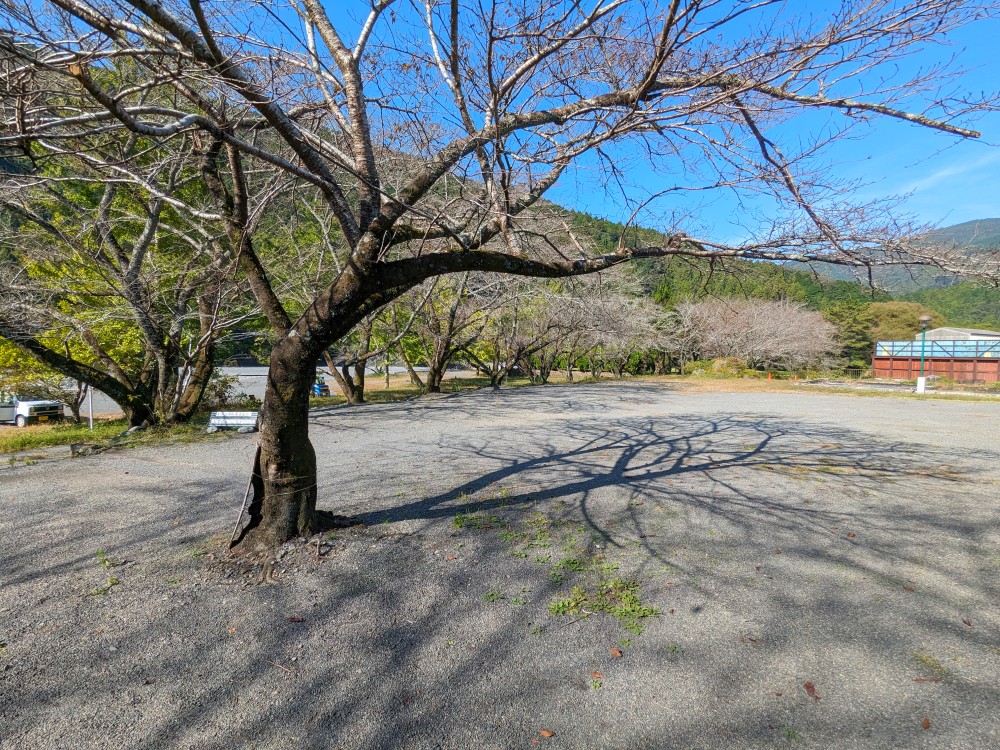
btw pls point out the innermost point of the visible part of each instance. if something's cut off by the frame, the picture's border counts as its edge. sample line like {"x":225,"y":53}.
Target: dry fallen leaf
{"x":616,"y":653}
{"x":597,"y":675}
{"x":230,"y":630}
{"x":908,"y":589}
{"x":852,"y":535}
{"x":811,"y":691}
{"x":926,"y":723}
{"x":546,"y":733}
{"x":149,"y":681}
{"x":777,"y":552}
{"x":967,"y":621}
{"x":295,"y":618}
{"x":452,"y":557}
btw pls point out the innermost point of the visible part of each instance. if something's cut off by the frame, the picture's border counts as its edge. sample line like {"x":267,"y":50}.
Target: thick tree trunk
{"x":353,"y":386}
{"x":287,"y":458}
{"x":528,"y":367}
{"x":353,"y":392}
{"x":414,"y":377}
{"x":194,"y":390}
{"x":437,"y":366}
{"x":138,"y":410}
{"x":359,"y":380}
{"x":544,"y":372}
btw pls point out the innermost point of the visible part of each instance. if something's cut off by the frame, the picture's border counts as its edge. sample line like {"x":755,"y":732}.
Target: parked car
{"x":320,"y":388}
{"x":23,"y":411}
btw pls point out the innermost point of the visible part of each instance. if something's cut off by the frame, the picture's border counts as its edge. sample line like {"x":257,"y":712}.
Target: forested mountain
{"x":966,"y":304}
{"x":961,"y":303}
{"x":675,"y":280}
{"x":979,"y":234}
{"x":973,"y":236}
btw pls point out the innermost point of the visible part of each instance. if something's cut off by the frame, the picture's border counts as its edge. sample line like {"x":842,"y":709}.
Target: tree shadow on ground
{"x":778,"y":552}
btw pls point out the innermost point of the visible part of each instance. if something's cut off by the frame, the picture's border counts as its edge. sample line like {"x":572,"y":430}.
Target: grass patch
{"x":105,"y":433}
{"x":475,"y":521}
{"x":614,"y":596}
{"x":601,"y":590}
{"x":104,"y":561}
{"x":61,"y":433}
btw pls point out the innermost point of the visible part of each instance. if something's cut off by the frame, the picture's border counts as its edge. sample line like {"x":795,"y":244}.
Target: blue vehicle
{"x":320,"y":388}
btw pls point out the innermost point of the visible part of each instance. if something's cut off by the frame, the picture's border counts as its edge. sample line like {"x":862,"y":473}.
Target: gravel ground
{"x":826,"y":572}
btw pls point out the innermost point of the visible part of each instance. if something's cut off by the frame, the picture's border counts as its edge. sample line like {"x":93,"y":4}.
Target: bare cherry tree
{"x":447,"y":316}
{"x":622,"y":328}
{"x":432,"y":129}
{"x":762,"y":333}
{"x":524,"y":319}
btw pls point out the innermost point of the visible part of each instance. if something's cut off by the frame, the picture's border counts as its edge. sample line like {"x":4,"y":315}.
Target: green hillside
{"x":966,"y":304}
{"x":977,"y":235}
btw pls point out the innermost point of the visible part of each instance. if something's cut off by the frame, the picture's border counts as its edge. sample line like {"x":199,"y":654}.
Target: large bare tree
{"x":106,"y":284}
{"x":431,"y":129}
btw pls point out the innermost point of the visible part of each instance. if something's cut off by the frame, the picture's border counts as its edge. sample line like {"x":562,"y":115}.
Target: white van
{"x":22,"y":412}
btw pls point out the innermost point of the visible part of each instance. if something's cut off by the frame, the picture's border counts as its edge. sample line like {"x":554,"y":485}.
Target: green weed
{"x":102,"y":590}
{"x":571,"y":565}
{"x":475,"y":521}
{"x":616,"y":597}
{"x":105,"y":562}
{"x":931,"y":662}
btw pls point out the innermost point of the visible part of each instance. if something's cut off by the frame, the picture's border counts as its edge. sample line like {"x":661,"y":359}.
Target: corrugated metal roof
{"x":948,"y":333}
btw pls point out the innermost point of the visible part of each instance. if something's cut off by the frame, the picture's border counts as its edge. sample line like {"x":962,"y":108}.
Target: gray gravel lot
{"x":849,"y":543}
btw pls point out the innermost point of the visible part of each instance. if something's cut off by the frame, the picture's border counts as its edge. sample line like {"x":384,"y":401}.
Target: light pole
{"x":924,"y":322}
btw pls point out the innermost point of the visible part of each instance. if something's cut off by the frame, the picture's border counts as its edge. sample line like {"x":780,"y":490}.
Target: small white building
{"x":960,"y":334}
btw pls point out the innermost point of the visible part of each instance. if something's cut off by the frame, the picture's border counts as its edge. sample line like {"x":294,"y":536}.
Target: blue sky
{"x":945,"y":181}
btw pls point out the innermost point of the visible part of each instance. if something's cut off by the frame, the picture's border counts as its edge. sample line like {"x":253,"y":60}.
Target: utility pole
{"x":921,"y":380}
